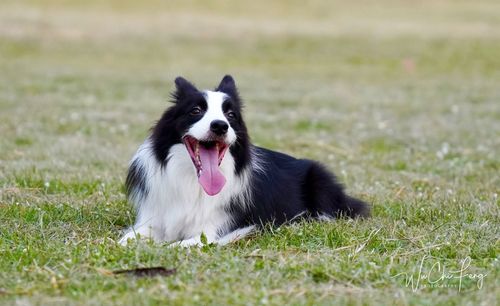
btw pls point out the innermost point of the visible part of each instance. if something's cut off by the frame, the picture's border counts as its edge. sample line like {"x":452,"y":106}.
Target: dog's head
{"x":207,"y":123}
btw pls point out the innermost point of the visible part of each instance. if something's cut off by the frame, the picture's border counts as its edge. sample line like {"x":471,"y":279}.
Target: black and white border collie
{"x":198,"y":174}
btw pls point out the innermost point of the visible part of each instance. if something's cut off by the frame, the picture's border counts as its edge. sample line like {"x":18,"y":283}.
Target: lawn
{"x":400,"y":99}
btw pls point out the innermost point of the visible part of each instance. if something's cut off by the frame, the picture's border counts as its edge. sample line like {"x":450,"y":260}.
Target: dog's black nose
{"x":219,"y":127}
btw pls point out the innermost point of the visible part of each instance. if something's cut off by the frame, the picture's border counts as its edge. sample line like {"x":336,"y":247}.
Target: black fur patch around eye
{"x":201,"y":102}
{"x":227,"y":105}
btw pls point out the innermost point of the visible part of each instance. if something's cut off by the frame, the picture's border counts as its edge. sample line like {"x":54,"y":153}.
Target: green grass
{"x":401,"y":100}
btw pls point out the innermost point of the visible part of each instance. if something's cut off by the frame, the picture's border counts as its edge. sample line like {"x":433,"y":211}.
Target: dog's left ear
{"x":228,"y":86}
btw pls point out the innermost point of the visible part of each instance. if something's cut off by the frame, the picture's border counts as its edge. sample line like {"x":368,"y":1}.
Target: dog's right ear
{"x":184,"y":88}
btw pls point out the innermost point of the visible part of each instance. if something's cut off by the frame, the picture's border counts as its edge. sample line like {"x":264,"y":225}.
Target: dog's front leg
{"x":140,"y":231}
{"x":228,"y":238}
{"x":195,"y":241}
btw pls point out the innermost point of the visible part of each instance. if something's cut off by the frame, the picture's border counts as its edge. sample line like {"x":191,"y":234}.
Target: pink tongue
{"x":211,"y":178}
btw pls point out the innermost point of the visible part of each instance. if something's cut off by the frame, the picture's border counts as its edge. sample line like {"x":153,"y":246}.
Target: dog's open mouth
{"x":206,"y":157}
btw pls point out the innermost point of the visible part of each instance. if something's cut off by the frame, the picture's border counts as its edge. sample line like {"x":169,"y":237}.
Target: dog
{"x":198,"y":179}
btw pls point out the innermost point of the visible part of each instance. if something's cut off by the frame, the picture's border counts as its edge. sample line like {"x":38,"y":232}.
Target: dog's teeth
{"x":197,"y":153}
{"x":197,"y":158}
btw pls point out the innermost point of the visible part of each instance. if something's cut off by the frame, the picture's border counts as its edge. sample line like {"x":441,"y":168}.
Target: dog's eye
{"x":231,"y":115}
{"x":195,"y":110}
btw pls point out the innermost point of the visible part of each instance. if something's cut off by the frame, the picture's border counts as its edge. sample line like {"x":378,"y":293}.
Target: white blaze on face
{"x":207,"y":151}
{"x":201,"y":129}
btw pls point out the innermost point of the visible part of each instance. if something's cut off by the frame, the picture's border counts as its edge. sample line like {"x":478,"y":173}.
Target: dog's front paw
{"x":187,"y":243}
{"x":129,"y":237}
{"x":140,"y":233}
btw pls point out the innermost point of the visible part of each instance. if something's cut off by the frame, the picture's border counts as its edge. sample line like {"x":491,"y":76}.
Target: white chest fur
{"x":175,"y":206}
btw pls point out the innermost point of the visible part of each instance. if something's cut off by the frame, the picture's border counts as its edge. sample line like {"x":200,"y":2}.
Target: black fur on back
{"x":288,"y":187}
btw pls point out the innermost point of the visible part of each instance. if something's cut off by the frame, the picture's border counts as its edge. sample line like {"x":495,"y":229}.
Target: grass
{"x":399,"y":99}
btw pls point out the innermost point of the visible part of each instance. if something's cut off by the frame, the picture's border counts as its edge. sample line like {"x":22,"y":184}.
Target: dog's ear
{"x":228,"y":86}
{"x":184,"y":88}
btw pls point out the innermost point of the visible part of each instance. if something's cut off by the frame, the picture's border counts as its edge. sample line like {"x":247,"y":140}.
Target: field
{"x":401,"y":99}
